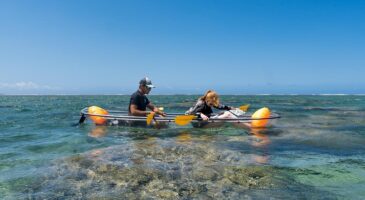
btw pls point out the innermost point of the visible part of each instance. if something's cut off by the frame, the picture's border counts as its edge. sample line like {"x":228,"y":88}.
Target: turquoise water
{"x":315,"y":151}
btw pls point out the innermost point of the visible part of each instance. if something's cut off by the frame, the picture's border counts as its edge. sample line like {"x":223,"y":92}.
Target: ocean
{"x":316,"y":150}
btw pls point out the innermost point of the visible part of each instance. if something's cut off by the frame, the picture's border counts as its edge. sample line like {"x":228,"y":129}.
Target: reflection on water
{"x":98,"y":131}
{"x":261,"y":141}
{"x":184,"y":138}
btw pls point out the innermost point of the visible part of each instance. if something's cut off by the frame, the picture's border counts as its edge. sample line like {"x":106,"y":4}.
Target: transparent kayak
{"x":115,"y":117}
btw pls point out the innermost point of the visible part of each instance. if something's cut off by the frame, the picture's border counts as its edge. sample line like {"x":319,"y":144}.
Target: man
{"x":139,"y":100}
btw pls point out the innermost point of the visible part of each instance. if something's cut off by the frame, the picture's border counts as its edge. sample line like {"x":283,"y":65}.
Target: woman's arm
{"x":196,"y":109}
{"x":223,"y":107}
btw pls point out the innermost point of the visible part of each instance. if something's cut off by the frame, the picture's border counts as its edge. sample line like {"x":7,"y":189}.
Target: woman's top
{"x":202,"y":107}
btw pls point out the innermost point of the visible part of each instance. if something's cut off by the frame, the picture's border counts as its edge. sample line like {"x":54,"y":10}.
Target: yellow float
{"x":95,"y":110}
{"x":257,"y":121}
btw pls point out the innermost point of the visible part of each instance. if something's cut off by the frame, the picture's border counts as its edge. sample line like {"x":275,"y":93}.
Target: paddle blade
{"x":244,"y":108}
{"x":150,"y":117}
{"x":183,"y":120}
{"x":82,"y":119}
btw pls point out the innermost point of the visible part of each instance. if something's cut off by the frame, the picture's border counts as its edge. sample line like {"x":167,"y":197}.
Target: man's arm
{"x":136,"y":112}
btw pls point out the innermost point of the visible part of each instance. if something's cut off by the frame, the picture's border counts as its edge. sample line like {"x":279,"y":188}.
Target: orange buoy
{"x":260,"y":113}
{"x":95,"y":110}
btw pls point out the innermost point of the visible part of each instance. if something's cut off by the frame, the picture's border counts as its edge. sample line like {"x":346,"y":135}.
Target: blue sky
{"x":185,"y":46}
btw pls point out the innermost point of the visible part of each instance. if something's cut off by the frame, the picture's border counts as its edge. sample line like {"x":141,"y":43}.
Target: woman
{"x":203,"y":107}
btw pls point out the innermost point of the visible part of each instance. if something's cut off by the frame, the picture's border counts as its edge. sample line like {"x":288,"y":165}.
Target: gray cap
{"x":146,"y":82}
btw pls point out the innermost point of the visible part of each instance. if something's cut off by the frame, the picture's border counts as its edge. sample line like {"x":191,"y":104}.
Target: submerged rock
{"x":161,"y":169}
{"x":251,"y":177}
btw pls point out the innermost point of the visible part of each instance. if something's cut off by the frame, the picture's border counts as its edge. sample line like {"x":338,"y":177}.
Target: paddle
{"x":150,"y":117}
{"x":183,"y":120}
{"x":244,"y":108}
{"x":82,"y":119}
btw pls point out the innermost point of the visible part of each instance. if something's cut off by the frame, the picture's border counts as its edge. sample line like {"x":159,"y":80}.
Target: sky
{"x":183,"y":46}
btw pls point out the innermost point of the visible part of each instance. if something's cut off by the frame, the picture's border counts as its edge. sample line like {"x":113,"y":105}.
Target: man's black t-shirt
{"x":140,"y":100}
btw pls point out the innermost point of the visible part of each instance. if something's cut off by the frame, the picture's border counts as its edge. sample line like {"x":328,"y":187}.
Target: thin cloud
{"x":23,"y":85}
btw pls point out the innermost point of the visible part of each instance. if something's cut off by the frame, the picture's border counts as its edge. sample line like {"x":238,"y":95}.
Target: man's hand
{"x":159,"y":112}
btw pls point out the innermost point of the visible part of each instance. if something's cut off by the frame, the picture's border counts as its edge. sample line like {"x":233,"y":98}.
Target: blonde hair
{"x":212,"y":96}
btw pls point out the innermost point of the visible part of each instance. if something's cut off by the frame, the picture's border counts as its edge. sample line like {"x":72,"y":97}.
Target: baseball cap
{"x":146,"y":82}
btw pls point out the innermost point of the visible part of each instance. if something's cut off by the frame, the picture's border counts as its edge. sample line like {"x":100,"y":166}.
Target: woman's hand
{"x":204,"y":117}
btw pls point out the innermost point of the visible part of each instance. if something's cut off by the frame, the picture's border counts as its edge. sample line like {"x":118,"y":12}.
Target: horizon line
{"x":281,"y":94}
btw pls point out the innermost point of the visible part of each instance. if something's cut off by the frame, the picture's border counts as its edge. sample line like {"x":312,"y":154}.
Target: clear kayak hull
{"x":121,"y":118}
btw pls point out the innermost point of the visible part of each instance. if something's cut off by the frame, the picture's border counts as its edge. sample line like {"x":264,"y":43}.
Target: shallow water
{"x":315,"y":151}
